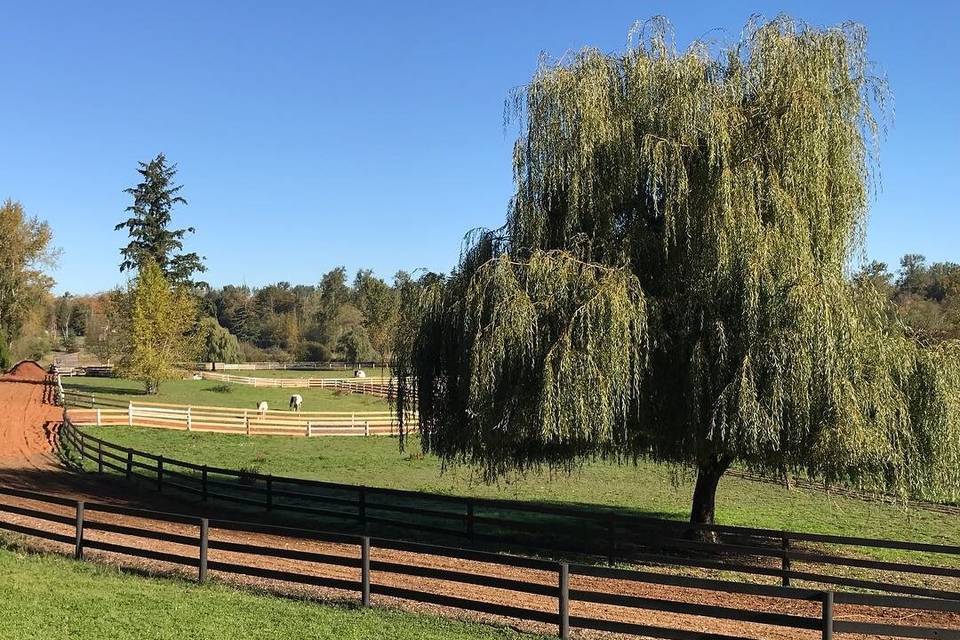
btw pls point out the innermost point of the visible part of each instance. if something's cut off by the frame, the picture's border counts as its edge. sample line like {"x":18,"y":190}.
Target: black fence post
{"x":270,"y":492}
{"x":99,"y":457}
{"x":365,"y":571}
{"x":564,"y":601}
{"x":160,"y":474}
{"x":204,"y":543}
{"x":129,"y":464}
{"x":203,"y":483}
{"x":470,"y":522}
{"x":78,"y":547}
{"x":611,"y":538}
{"x":82,"y":449}
{"x":362,"y":506}
{"x":827,"y":616}
{"x":785,"y":565}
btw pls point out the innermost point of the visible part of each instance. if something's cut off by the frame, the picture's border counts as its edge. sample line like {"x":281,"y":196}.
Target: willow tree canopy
{"x":672,"y":280}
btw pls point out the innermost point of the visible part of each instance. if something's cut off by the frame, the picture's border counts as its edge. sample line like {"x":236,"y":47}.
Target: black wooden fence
{"x":786,"y":556}
{"x":373,"y":576}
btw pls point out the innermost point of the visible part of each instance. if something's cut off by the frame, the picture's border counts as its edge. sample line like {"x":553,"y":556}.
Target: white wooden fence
{"x":268,"y":366}
{"x":371,"y":386}
{"x":243,"y":421}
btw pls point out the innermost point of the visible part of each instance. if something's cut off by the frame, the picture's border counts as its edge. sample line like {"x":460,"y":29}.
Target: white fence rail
{"x":243,"y":421}
{"x":279,"y":366}
{"x":371,"y":386}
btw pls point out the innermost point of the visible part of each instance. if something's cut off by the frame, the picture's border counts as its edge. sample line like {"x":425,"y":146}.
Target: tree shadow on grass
{"x":99,"y":390}
{"x":495,"y":529}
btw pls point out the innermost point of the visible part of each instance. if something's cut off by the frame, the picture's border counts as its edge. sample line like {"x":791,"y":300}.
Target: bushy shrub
{"x":36,"y":348}
{"x":71,"y":344}
{"x":252,"y":353}
{"x":6,"y":359}
{"x":315,"y":352}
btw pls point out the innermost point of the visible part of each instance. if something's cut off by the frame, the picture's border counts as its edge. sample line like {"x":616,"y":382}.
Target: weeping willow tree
{"x":672,"y":281}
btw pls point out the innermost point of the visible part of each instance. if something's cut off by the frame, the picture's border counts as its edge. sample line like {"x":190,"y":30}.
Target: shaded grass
{"x":644,"y":489}
{"x":50,"y":598}
{"x":213,"y":393}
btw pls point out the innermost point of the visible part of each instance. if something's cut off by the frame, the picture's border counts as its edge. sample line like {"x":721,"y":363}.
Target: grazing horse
{"x":262,"y":407}
{"x":296,"y":401}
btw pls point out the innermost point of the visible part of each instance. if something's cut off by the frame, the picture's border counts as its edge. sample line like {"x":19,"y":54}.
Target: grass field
{"x":646,"y":489}
{"x":219,"y":394}
{"x":52,"y":598}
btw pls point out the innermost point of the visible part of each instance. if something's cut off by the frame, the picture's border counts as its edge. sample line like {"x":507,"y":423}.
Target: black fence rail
{"x":515,"y":578}
{"x":81,"y":399}
{"x":761,"y":554}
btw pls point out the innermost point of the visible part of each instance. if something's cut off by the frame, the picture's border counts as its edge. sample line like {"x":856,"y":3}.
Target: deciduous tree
{"x":218,"y":344}
{"x":672,"y":280}
{"x":158,"y":328}
{"x":25,"y":255}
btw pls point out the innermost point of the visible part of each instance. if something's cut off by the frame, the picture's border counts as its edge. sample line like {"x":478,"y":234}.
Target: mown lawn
{"x":52,"y":598}
{"x":646,"y":488}
{"x":219,"y":394}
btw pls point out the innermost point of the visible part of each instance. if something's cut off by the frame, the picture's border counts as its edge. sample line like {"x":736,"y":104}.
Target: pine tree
{"x":151,"y":213}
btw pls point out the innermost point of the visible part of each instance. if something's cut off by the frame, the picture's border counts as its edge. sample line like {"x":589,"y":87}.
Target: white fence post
{"x":353,"y":420}
{"x":189,"y":419}
{"x":98,"y":417}
{"x":366,"y":428}
{"x":130,"y":414}
{"x":309,"y":428}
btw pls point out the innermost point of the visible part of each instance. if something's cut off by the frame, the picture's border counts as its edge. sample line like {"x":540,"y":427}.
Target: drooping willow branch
{"x":671,"y":281}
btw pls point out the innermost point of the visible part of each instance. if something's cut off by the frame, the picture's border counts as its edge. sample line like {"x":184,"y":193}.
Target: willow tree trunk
{"x":705,"y":495}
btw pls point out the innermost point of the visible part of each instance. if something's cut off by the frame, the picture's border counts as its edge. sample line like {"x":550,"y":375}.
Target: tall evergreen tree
{"x":151,"y":239}
{"x":672,"y":283}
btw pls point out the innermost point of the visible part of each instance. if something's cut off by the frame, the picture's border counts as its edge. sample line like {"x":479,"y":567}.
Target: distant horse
{"x":296,"y":401}
{"x":262,"y":407}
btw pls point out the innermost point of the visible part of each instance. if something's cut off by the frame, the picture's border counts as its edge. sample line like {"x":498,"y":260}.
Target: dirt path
{"x":27,"y":460}
{"x":27,"y":418}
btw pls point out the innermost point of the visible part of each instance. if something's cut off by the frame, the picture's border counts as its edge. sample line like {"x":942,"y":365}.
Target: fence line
{"x":380,"y":387}
{"x":281,"y":366}
{"x":240,"y":421}
{"x":371,"y":573}
{"x":761,"y":553}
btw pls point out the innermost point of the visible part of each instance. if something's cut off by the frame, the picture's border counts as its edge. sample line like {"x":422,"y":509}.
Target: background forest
{"x":340,"y":318}
{"x":353,"y":319}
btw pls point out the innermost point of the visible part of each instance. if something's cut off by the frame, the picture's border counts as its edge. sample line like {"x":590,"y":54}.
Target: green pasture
{"x":646,"y":489}
{"x":45,"y":597}
{"x":221,"y":394}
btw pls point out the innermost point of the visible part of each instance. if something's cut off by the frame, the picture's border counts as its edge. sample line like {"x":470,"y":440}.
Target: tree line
{"x":337,"y":319}
{"x":926,"y":296}
{"x":345,"y":318}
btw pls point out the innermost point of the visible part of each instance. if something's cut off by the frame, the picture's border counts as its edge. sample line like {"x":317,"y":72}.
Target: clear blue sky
{"x":312,"y":134}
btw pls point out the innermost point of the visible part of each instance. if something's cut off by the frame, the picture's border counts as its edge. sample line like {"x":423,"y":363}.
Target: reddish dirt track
{"x":28,"y":460}
{"x":27,"y":418}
